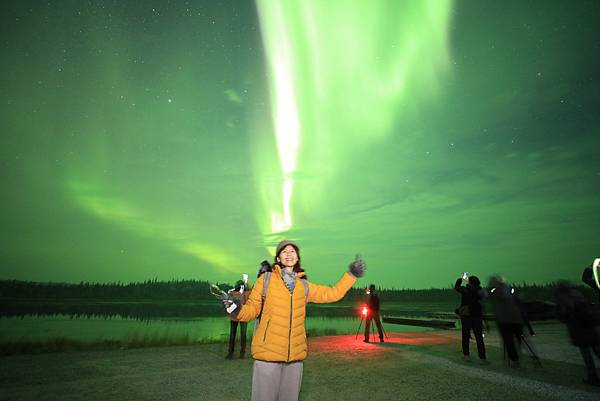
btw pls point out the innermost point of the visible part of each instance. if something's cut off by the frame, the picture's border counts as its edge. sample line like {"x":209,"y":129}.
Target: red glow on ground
{"x":350,"y":344}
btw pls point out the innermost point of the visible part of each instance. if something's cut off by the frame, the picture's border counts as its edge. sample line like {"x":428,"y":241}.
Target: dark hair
{"x":297,"y":267}
{"x":265,"y":266}
{"x":372,"y":287}
{"x":474,"y":281}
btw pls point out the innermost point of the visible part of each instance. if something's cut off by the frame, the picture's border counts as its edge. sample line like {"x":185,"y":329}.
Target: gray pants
{"x":276,"y":381}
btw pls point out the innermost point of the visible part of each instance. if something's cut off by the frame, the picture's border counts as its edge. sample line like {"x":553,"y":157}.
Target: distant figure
{"x":241,"y":293}
{"x":373,"y":314}
{"x":590,"y":274}
{"x":471,"y":314}
{"x":583,"y":326}
{"x":265,"y":266}
{"x":508,"y":318}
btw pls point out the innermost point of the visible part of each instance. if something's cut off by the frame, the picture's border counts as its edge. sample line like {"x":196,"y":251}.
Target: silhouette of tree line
{"x":200,"y":290}
{"x":191,"y":298}
{"x":150,"y":289}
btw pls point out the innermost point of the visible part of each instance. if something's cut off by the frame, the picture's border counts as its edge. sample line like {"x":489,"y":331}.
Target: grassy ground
{"x":68,"y":344}
{"x":410,"y":366}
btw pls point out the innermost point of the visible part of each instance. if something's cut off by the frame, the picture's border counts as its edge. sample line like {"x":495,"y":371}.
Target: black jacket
{"x":374,"y":304}
{"x":471,"y":296}
{"x":580,"y":318}
{"x":506,"y":305}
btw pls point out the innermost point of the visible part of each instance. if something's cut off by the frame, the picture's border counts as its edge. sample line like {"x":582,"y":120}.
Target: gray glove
{"x":357,"y":267}
{"x":232,"y":306}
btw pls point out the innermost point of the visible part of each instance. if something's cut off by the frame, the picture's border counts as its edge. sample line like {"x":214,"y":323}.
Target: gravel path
{"x":546,"y":390}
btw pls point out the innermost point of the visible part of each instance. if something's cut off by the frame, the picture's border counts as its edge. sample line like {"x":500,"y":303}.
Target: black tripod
{"x":534,"y":356}
{"x":363,"y":319}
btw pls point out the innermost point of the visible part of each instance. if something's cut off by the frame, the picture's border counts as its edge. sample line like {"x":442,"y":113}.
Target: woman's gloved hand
{"x":232,"y":306}
{"x":357,"y":267}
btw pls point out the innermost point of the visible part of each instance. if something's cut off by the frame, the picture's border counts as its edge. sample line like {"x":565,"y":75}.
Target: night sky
{"x":184,"y":139}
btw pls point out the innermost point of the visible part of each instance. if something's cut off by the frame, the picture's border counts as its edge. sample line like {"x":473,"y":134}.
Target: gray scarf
{"x":289,"y":279}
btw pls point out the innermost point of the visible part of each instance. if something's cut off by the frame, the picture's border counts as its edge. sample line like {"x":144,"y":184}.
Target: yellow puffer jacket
{"x":280,"y":336}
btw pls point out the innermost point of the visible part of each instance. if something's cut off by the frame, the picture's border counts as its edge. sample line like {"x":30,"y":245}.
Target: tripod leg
{"x":359,"y":326}
{"x":536,"y":360}
{"x":372,"y":330}
{"x":385,"y":334}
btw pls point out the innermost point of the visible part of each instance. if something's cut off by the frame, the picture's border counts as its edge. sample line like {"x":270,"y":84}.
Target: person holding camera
{"x":471,"y":314}
{"x":279,"y":344}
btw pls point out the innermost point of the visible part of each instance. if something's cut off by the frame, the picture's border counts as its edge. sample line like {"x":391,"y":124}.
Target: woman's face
{"x":288,"y":257}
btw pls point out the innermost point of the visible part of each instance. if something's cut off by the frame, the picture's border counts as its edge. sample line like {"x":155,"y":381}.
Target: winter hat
{"x":285,"y":243}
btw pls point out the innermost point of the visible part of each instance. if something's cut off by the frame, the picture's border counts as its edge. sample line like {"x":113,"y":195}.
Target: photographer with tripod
{"x":373,"y":314}
{"x":509,"y":319}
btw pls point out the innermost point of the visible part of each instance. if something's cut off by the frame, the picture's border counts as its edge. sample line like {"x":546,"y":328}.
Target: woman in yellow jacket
{"x":279,"y":343}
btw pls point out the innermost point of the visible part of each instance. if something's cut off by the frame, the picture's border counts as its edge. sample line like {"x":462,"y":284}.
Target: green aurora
{"x":185,"y":139}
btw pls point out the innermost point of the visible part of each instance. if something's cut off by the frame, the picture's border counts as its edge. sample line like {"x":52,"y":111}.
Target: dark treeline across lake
{"x":189,"y":298}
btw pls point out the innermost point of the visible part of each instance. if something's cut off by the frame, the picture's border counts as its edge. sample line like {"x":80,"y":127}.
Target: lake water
{"x":88,"y":329}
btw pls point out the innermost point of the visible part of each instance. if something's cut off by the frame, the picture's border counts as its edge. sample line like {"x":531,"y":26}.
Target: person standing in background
{"x":508,"y":318}
{"x":240,"y":291}
{"x":471,"y":314}
{"x":590,"y":276}
{"x":373,"y":314}
{"x":583,"y":326}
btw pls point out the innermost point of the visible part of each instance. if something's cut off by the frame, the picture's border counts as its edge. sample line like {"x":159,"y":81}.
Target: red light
{"x":365,"y":310}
